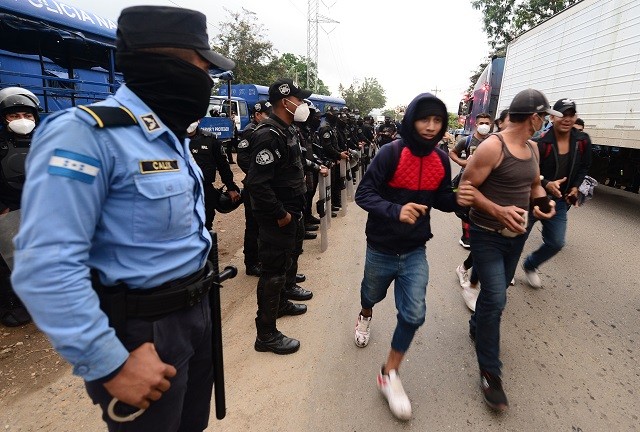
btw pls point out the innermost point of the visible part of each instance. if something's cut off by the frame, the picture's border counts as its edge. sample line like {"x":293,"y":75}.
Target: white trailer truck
{"x":590,"y":52}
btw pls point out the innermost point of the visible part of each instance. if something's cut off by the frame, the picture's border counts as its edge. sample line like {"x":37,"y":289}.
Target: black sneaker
{"x":494,"y":396}
{"x":464,"y":243}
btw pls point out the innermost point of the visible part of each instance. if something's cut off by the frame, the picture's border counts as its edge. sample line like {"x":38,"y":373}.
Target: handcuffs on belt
{"x":194,"y":297}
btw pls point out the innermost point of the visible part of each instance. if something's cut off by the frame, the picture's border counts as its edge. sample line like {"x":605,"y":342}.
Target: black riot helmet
{"x":225,"y":204}
{"x":16,"y":99}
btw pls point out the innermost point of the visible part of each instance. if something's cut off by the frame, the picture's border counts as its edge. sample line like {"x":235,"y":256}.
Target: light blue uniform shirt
{"x":126,"y":201}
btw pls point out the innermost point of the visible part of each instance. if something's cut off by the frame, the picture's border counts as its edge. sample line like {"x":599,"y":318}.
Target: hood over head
{"x":423,"y":105}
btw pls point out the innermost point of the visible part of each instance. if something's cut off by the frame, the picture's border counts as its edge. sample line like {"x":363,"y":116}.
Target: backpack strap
{"x":107,"y":116}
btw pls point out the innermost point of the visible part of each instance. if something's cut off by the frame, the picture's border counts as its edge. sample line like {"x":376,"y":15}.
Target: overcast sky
{"x":409,"y":46}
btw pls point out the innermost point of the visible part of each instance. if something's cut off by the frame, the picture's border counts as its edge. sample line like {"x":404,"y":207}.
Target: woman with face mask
{"x":19,"y":110}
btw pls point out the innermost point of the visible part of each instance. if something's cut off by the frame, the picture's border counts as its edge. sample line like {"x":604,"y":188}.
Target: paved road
{"x":570,"y":350}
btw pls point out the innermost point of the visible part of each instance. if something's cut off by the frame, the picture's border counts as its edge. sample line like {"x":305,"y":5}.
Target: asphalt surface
{"x":570,"y":350}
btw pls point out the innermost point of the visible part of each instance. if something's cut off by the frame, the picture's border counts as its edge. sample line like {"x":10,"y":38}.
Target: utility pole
{"x":313,"y":19}
{"x":435,"y":91}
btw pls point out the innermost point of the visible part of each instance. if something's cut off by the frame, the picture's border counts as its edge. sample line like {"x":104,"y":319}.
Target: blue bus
{"x":245,"y":96}
{"x":64,"y":55}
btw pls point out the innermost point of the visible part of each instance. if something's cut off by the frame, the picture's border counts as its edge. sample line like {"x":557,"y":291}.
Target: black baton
{"x":229,"y":272}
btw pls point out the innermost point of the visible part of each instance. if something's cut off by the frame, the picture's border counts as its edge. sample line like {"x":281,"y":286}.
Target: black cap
{"x":285,"y":87}
{"x":564,"y":105}
{"x":531,"y":101}
{"x":262,"y":106}
{"x":164,"y":26}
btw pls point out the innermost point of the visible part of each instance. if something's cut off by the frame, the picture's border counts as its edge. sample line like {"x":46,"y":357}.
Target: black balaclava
{"x":423,"y":106}
{"x":176,"y":90}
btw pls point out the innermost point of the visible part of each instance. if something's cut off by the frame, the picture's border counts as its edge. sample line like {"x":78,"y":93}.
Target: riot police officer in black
{"x":328,"y":136}
{"x":19,"y":110}
{"x":208,"y":153}
{"x":261,"y":111}
{"x":276,"y":187}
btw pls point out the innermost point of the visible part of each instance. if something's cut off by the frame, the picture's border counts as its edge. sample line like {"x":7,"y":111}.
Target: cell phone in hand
{"x":571,"y":199}
{"x":543,"y":203}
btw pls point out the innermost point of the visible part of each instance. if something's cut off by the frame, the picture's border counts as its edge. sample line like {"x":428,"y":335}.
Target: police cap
{"x":262,"y":106}
{"x":284,"y":88}
{"x":165,"y":26}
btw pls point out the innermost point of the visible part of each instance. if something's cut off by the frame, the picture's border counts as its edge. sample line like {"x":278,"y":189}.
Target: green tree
{"x":453,"y":121}
{"x":364,"y":96}
{"x":296,"y":67}
{"x":504,"y":20}
{"x":241,"y":39}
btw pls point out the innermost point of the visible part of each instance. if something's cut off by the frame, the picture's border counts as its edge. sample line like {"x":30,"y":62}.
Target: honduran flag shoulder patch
{"x":75,"y":166}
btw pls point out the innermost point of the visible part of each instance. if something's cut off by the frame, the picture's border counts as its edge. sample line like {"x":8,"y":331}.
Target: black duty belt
{"x":120,"y":303}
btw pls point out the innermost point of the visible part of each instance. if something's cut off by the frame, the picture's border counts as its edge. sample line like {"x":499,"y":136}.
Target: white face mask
{"x":484,"y":129}
{"x":192,"y":127}
{"x":22,"y":126}
{"x":302,"y":112}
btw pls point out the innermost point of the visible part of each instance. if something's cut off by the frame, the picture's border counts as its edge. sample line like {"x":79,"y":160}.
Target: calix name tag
{"x":154,"y":166}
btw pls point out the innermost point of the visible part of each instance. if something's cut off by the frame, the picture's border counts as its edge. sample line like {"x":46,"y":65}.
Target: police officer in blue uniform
{"x":276,"y":187}
{"x":111,"y":256}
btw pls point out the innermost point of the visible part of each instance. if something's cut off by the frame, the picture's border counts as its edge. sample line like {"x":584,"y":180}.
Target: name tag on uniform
{"x":156,"y":166}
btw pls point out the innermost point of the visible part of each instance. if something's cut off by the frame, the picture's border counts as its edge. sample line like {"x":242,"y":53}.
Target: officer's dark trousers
{"x":336,"y":185}
{"x":312,"y":186}
{"x":250,"y":235}
{"x":183,"y":340}
{"x":211,"y":196}
{"x":277,"y":249}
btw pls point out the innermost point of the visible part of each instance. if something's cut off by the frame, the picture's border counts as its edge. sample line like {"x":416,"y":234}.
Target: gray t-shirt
{"x":462,"y":145}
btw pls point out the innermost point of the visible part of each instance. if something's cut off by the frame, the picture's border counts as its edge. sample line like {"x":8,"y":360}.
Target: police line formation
{"x":124,"y":279}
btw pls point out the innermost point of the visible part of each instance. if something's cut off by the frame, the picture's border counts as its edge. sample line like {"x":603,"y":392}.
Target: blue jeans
{"x":554,"y":231}
{"x":410,"y":271}
{"x":495,"y":258}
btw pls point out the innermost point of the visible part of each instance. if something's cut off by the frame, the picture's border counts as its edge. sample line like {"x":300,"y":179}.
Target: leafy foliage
{"x":296,"y":67}
{"x":364,"y":96}
{"x":453,"y":122}
{"x":241,"y":39}
{"x":504,"y":20}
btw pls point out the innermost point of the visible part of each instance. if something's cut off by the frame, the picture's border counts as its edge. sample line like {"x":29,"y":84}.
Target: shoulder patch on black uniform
{"x":264,"y":157}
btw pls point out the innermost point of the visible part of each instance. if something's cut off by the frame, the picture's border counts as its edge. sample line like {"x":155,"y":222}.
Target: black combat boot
{"x":269,"y":338}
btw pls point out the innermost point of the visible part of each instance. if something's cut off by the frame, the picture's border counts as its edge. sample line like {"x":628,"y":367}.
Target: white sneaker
{"x":533,"y":279}
{"x":391,"y":387}
{"x":363,"y":331}
{"x":513,"y":282}
{"x":463,"y":274}
{"x":470,"y":296}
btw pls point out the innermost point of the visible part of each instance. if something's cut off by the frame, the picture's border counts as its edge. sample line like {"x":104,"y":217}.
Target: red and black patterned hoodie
{"x":410,"y":169}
